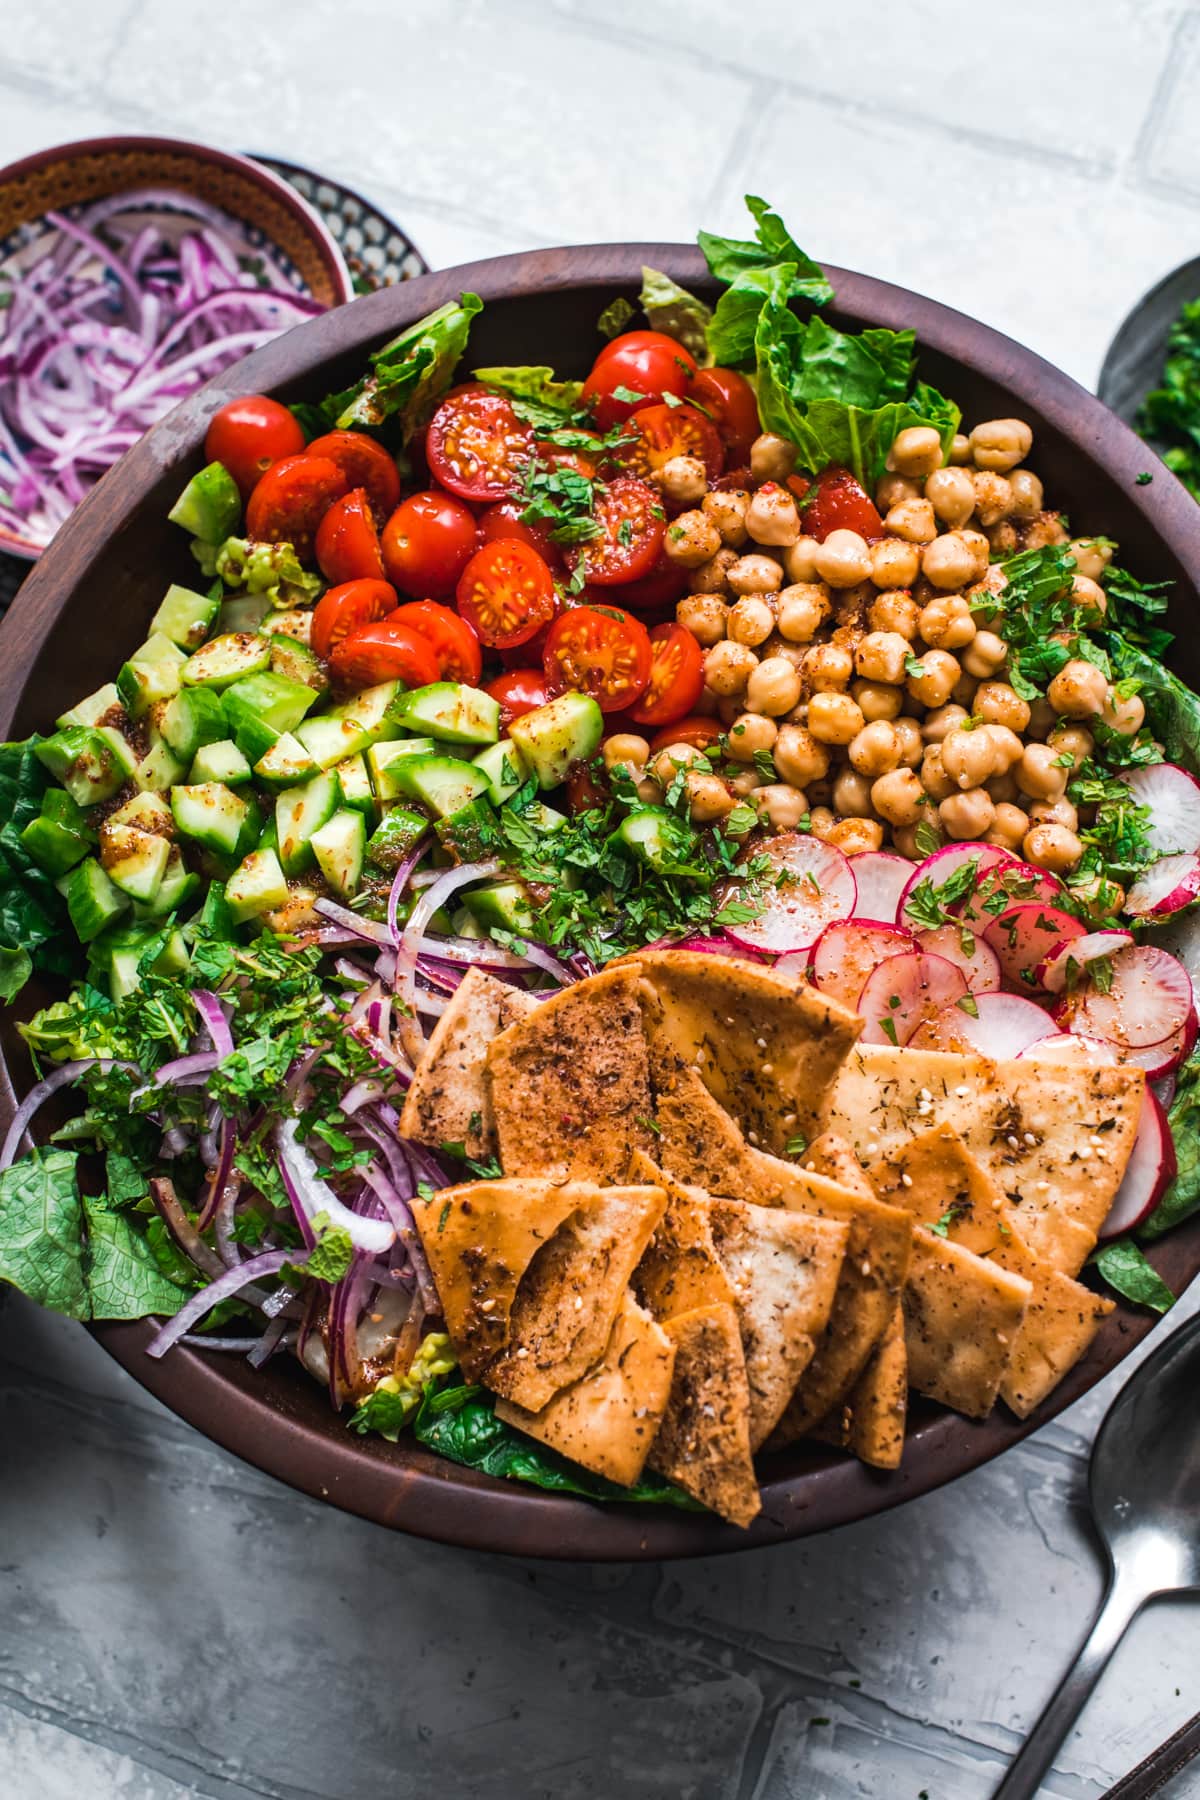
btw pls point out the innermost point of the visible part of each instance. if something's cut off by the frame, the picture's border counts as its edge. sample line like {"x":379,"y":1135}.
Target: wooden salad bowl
{"x":86,"y":604}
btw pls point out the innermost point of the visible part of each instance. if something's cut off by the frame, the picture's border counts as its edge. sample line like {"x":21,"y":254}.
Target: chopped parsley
{"x":562,"y":499}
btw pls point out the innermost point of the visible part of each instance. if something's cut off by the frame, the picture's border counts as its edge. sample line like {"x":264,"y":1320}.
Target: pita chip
{"x":703,"y":1443}
{"x":449,"y":1101}
{"x":962,"y":1315}
{"x":570,"y":1085}
{"x":833,"y":1156}
{"x":783,"y":1268}
{"x":697,"y":1140}
{"x":607,"y":1420}
{"x":870,"y":1421}
{"x":571,"y":1292}
{"x":680,"y":1270}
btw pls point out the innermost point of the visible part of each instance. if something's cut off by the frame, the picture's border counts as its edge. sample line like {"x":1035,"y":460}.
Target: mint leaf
{"x":1124,"y":1267}
{"x":41,"y":1232}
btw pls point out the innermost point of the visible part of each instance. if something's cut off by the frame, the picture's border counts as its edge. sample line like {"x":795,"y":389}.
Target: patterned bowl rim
{"x":267,"y":161}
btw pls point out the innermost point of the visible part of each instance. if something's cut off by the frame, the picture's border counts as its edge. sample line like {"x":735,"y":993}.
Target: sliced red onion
{"x":233,"y":1281}
{"x":266,"y":1346}
{"x":222,"y":1180}
{"x":185,"y":1234}
{"x":543,"y":959}
{"x":367,"y":929}
{"x":475,"y":953}
{"x":395,"y":1205}
{"x":311,"y":1195}
{"x":38,"y":1095}
{"x":400,"y":881}
{"x":363,"y":1093}
{"x":184,"y":1068}
{"x":215,"y":1022}
{"x":200,"y":1340}
{"x":412,"y":940}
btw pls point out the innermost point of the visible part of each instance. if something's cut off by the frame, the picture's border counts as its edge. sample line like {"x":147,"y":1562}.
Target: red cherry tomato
{"x":504,"y":521}
{"x":347,"y":541}
{"x":666,"y":431}
{"x":365,"y":464}
{"x":455,"y":645}
{"x":676,"y":677}
{"x":840,"y":503}
{"x":506,"y":593}
{"x":656,"y":592}
{"x":731,"y":404}
{"x":428,"y":542}
{"x":387,"y":650}
{"x":341,"y":610}
{"x":476,"y":445}
{"x":519,"y":691}
{"x":291,"y":499}
{"x":648,"y":364}
{"x":518,"y":656}
{"x":737,"y":478}
{"x":697,"y":731}
{"x":587,"y":789}
{"x":250,"y":434}
{"x":602,"y":653}
{"x":632,"y":522}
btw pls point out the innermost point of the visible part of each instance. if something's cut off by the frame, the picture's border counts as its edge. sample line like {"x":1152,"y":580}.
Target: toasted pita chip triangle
{"x":570,"y":1087}
{"x":783,"y":1268}
{"x":831,"y":1155}
{"x":765,"y":1049}
{"x":961,"y":1319}
{"x":870,"y":1421}
{"x":570,"y":1294}
{"x":479,"y":1239}
{"x":607,"y":1420}
{"x":703,"y":1443}
{"x":680,"y":1270}
{"x":449,"y":1101}
{"x":946,"y":1183}
{"x":697,"y":1140}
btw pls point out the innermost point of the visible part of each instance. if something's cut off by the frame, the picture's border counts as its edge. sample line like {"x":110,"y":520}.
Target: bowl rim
{"x":406,"y":1487}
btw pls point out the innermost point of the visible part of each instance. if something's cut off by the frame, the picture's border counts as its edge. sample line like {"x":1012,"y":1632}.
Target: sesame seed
{"x":906,"y":1180}
{"x":768,"y":1068}
{"x":1014,"y":1143}
{"x":1000,"y":1338}
{"x":579,"y":1303}
{"x":866,"y":1269}
{"x":789,"y":1118}
{"x":872,"y":1149}
{"x":962,"y":1092}
{"x":761,"y":1042}
{"x":1043,"y":1187}
{"x":522,"y":1353}
{"x":753,"y":1136}
{"x":1085,"y":1151}
{"x":1031,"y":1140}
{"x":996,"y":1205}
{"x":487,"y":1306}
{"x":1096,"y":1143}
{"x":729,"y":1021}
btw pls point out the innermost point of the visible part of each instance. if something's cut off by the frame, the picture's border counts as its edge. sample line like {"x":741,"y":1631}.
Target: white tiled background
{"x":176,"y":1627}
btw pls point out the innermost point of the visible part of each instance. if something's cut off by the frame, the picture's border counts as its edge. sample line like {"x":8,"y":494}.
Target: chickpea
{"x":904,"y":841}
{"x":1027,"y":494}
{"x":965,"y":816}
{"x":951,"y":492}
{"x":1075,"y":741}
{"x":670,"y":759}
{"x":625,"y":750}
{"x":1092,"y":556}
{"x":899,"y":797}
{"x":942,"y":719}
{"x":780,"y":805}
{"x":875,"y":751}
{"x":935,"y":684}
{"x":946,"y":623}
{"x":799,"y":758}
{"x":834,"y":718}
{"x":894,"y":610}
{"x":730,"y":707}
{"x":692,"y":539}
{"x":684,"y":479}
{"x":1003,"y":788}
{"x":777,"y":645}
{"x":801,"y":609}
{"x":960,"y":449}
{"x":969,"y":758}
{"x":881,"y":656}
{"x":771,"y":517}
{"x":1001,"y":444}
{"x":894,"y":564}
{"x":852,"y":794}
{"x":854,"y":836}
{"x":993,"y":496}
{"x":745,"y":782}
{"x":709,"y":703}
{"x":1047,"y":528}
{"x":710,"y":577}
{"x":1052,"y":847}
{"x":727,"y":508}
{"x":1099,"y":898}
{"x":771,"y":458}
{"x":1054,"y":812}
{"x":963,"y":691}
{"x":705,"y":616}
{"x":908,"y":737}
{"x":912,"y":521}
{"x":878,"y":699}
{"x":1042,"y":719}
{"x":1000,"y":704}
{"x":1002,"y":539}
{"x":750,"y":733}
{"x":800,"y":560}
{"x":728,"y":667}
{"x":751,"y":621}
{"x":821,"y":821}
{"x":949,"y":561}
{"x":1126,"y":715}
{"x":985,"y":656}
{"x":1009,"y":825}
{"x":892,"y":490}
{"x":1090,"y":597}
{"x":934,"y":779}
{"x":828,"y":668}
{"x":915,"y":451}
{"x":1007,"y":745}
{"x":843,"y":559}
{"x":708,"y":798}
{"x":1079,"y":690}
{"x":1039,"y":774}
{"x":754,"y":574}
{"x":773,"y":688}
{"x":649,"y":792}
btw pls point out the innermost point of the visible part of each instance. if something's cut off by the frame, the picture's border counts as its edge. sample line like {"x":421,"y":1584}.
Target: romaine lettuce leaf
{"x":670,"y":308}
{"x":32,"y":913}
{"x":407,"y":376}
{"x":535,"y":394}
{"x":1172,"y":710}
{"x":732,"y":258}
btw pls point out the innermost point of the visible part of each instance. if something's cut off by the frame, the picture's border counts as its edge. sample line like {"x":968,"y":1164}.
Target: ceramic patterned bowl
{"x":377,"y":252}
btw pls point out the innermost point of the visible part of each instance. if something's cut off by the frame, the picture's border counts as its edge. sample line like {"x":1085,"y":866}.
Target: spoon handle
{"x":1122,"y":1601}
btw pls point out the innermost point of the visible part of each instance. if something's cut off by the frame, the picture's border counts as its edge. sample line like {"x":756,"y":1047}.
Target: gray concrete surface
{"x":174,"y":1626}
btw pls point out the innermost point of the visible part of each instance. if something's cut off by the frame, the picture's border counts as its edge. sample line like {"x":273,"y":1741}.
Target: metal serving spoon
{"x":1144,"y":1487}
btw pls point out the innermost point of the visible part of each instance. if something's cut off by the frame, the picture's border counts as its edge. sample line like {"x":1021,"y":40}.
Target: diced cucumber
{"x":147,"y":812}
{"x":258,"y":885}
{"x":296,"y":625}
{"x":269,"y":836}
{"x":453,"y":712}
{"x":233,"y":656}
{"x":160,"y":768}
{"x":355,"y":781}
{"x":219,"y":761}
{"x":60,"y":836}
{"x":366,"y":719}
{"x":211,"y":814}
{"x":382,"y":758}
{"x":123,"y":752}
{"x":193,"y":717}
{"x":286,"y":763}
{"x":652,"y":833}
{"x":179,"y":884}
{"x":210,"y":506}
{"x":185,"y":616}
{"x":542,"y":817}
{"x":395,"y":837}
{"x":261,"y":708}
{"x":470,"y":834}
{"x":151,"y":674}
{"x":85,"y":761}
{"x":127,"y":952}
{"x":299,"y":812}
{"x":134,"y":861}
{"x":554,"y":737}
{"x":297,"y":911}
{"x":340,"y":847}
{"x":244,"y":612}
{"x":92,"y":900}
{"x":215,"y":918}
{"x":504,"y":767}
{"x":93,"y":709}
{"x":503,"y":904}
{"x":296,"y":662}
{"x":442,"y":783}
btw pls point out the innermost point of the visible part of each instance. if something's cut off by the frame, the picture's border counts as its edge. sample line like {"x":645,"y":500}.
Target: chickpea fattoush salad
{"x":623,"y":922}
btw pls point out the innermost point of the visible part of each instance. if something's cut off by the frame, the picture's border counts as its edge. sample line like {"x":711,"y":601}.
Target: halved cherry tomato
{"x":476,"y":445}
{"x":341,"y":610}
{"x":347,"y":541}
{"x":519,"y":691}
{"x":840,"y":503}
{"x":250,"y":434}
{"x":387,"y":650}
{"x":506,"y":593}
{"x":455,"y":645}
{"x":587,"y":788}
{"x":365,"y":464}
{"x":737,"y":478}
{"x":518,"y":656}
{"x":676,"y":677}
{"x":291,"y":499}
{"x":697,"y":731}
{"x":504,"y":520}
{"x":666,"y":431}
{"x":428,"y":542}
{"x":656,"y":592}
{"x":603,"y":652}
{"x":731,"y":404}
{"x":632,"y":523}
{"x":647,"y":364}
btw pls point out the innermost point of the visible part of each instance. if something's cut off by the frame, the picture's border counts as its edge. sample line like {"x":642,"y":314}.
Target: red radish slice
{"x":1173,"y":799}
{"x":1073,"y":1047}
{"x":903,"y":992}
{"x":795,"y":966}
{"x":846,"y":952}
{"x":1163,"y":1088}
{"x":938,"y":868}
{"x":1162,"y":1059}
{"x":1166,"y":887}
{"x":1002,"y":1025}
{"x":1148,"y":998}
{"x":964,"y":947}
{"x":1020,"y":884}
{"x":1024,"y":937}
{"x":703,"y":946}
{"x":1054,"y":971}
{"x":818,"y":888}
{"x":942,"y":1033}
{"x":1148,"y":1174}
{"x":881,"y":877}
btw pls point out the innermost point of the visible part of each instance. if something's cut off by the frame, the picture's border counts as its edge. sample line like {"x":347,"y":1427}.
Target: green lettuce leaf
{"x":732,"y":258}
{"x":535,"y":394}
{"x":670,"y":308}
{"x":16,"y":966}
{"x":615,"y":317}
{"x":1124,"y":1267}
{"x":32,"y":913}
{"x":1133,"y":608}
{"x":41,"y":1232}
{"x":407,"y":376}
{"x":124,"y":1279}
{"x":1172,"y":710}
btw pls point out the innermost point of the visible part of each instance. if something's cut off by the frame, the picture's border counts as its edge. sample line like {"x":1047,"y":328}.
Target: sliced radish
{"x":937,"y":870}
{"x":999,"y":1025}
{"x":1020,"y":884}
{"x":1164,"y":1058}
{"x":818,"y":887}
{"x":881,"y":877}
{"x":1163,"y":1088}
{"x":1166,"y":887}
{"x":1147,"y":997}
{"x":1024,"y":937}
{"x":1172,"y":797}
{"x":1181,"y":936}
{"x":846,"y":952}
{"x":960,"y":945}
{"x":795,"y":966}
{"x":705,"y":946}
{"x":1054,"y":971}
{"x":1148,"y":1174}
{"x":1073,"y":1047}
{"x":901,"y":993}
